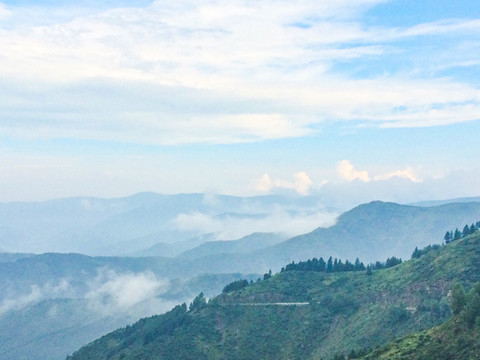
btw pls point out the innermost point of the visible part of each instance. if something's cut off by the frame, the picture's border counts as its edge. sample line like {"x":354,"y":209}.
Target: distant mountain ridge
{"x":447,"y":201}
{"x":378,"y":230}
{"x":128,"y":225}
{"x":10,"y":257}
{"x":120,"y":226}
{"x":246,"y":244}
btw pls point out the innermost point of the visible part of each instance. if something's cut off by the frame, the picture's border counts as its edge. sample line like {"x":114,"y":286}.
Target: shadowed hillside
{"x":377,"y":230}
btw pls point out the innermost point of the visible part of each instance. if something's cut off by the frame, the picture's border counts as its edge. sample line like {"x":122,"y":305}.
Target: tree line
{"x":456,"y":234}
{"x":466,"y":304}
{"x":336,"y":265}
{"x":450,"y":236}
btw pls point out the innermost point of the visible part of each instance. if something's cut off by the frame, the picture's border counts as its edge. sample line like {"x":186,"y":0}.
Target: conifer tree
{"x":369,"y":270}
{"x":472,"y":308}
{"x":458,"y":299}
{"x":357,"y":264}
{"x":329,"y":265}
{"x":416,"y":252}
{"x":472,"y":228}
{"x":447,"y":237}
{"x":198,"y":303}
{"x":457,"y":235}
{"x":321,"y":264}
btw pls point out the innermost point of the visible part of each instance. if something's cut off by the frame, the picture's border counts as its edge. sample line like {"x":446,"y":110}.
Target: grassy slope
{"x":347,"y":311}
{"x":445,"y":342}
{"x":452,"y":340}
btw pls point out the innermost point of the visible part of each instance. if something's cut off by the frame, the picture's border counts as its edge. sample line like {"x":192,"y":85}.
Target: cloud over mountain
{"x":301,"y":184}
{"x":348,"y":172}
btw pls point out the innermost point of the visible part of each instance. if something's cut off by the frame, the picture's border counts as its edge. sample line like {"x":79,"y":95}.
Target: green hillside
{"x":458,"y":338}
{"x":303,"y":314}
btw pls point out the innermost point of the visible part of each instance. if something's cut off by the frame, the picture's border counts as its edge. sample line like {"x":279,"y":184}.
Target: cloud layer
{"x":288,"y":221}
{"x":111,"y":292}
{"x":112,"y":98}
{"x":36,"y":293}
{"x":225,"y":72}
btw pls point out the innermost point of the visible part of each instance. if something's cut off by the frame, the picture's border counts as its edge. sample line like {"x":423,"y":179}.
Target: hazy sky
{"x":109,"y":98}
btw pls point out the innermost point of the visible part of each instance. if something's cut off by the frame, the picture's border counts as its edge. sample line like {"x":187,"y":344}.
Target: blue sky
{"x":239,"y":97}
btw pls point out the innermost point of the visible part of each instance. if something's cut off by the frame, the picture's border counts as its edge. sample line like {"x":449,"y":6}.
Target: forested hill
{"x":303,"y":314}
{"x":458,"y":338}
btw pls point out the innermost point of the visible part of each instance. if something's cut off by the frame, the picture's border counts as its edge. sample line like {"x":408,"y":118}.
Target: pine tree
{"x":267,"y":276}
{"x":321,"y":264}
{"x":199,"y":302}
{"x":329,"y":265}
{"x":472,"y":228}
{"x":369,"y":270}
{"x":457,"y":235}
{"x":447,"y":237}
{"x":472,"y":308}
{"x":459,"y":299}
{"x":357,"y":264}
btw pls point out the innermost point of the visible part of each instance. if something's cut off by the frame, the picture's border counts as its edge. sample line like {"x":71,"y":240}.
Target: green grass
{"x":451,"y":340}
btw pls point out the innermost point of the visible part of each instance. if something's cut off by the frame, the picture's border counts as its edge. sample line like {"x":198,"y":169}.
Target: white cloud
{"x":238,"y":55}
{"x":263,"y":184}
{"x":277,"y":219}
{"x":407,"y":173}
{"x":196,"y":222}
{"x":348,"y":172}
{"x":443,"y":27}
{"x":36,"y":294}
{"x":110,"y":291}
{"x":301,"y":184}
{"x":4,"y":12}
{"x":176,"y":44}
{"x":242,"y":128}
{"x":22,"y":301}
{"x":433,"y":186}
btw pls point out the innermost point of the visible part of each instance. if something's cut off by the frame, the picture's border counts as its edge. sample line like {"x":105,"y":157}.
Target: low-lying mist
{"x":232,"y":226}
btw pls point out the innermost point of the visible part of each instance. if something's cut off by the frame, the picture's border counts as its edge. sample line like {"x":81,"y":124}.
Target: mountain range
{"x":311,"y":314}
{"x":86,"y":294}
{"x":123,"y":226}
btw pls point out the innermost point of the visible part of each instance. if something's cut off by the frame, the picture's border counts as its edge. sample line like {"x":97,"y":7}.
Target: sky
{"x":360,"y":98}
